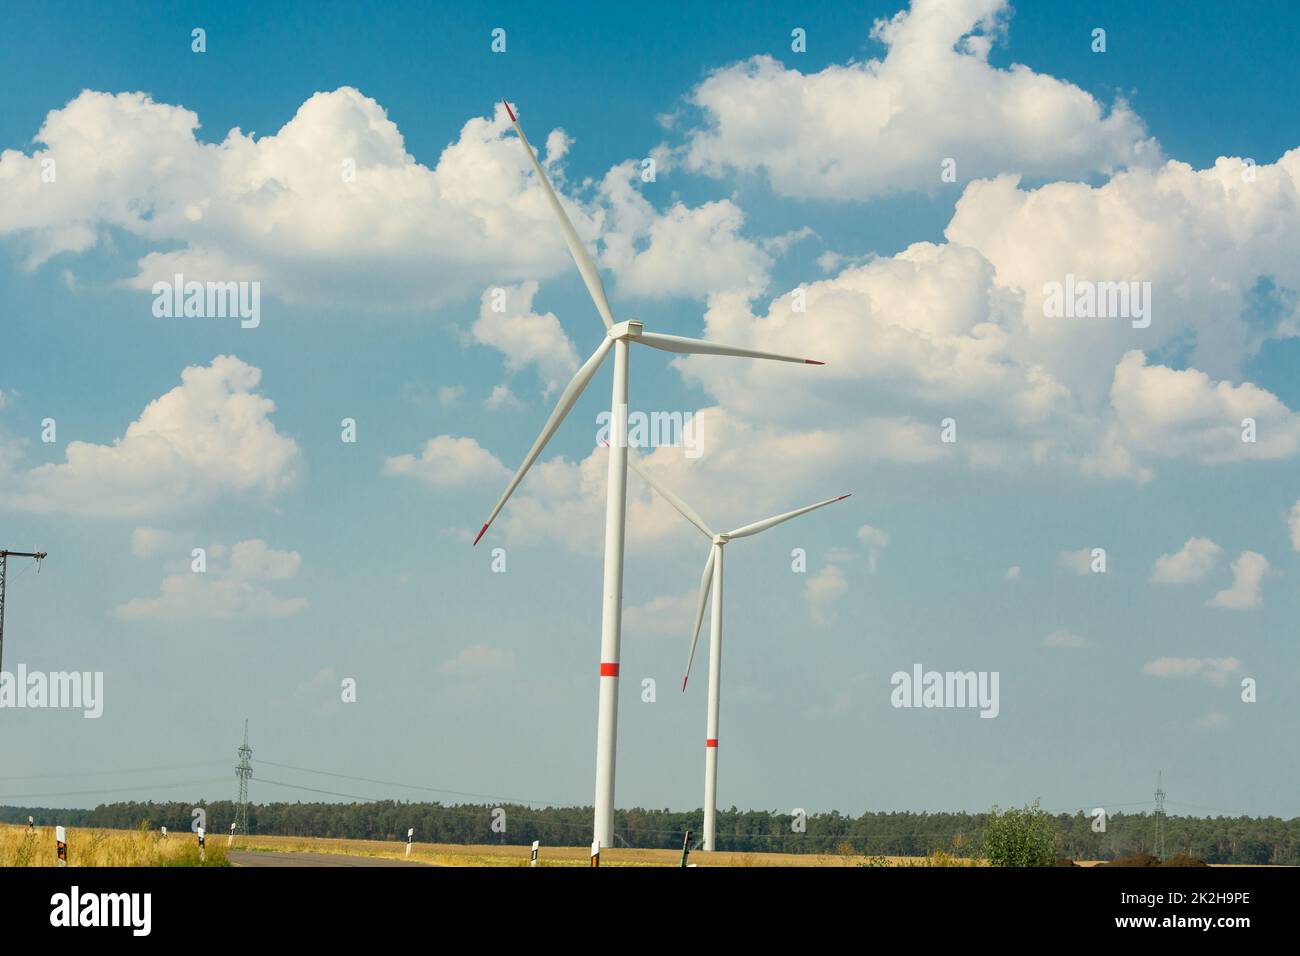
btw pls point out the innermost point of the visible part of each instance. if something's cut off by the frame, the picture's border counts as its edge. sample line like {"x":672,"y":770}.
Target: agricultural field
{"x":20,"y":846}
{"x":497,"y":855}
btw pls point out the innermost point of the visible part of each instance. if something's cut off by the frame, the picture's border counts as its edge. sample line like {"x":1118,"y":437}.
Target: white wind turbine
{"x":712,"y":579}
{"x":617,"y":337}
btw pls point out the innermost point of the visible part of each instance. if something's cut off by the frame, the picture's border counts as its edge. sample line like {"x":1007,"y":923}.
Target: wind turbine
{"x":617,"y":338}
{"x":712,"y":579}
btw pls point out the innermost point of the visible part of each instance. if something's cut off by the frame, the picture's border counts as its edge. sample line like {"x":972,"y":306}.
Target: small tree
{"x":1020,"y":837}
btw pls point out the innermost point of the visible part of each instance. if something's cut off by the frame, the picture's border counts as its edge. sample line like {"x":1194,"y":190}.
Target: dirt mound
{"x":1134,"y":859}
{"x":1146,"y":859}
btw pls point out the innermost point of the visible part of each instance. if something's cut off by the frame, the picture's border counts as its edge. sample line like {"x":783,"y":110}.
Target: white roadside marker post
{"x":203,"y":852}
{"x":595,"y":853}
{"x":230,"y":840}
{"x":410,"y":835}
{"x":532,"y":860}
{"x":61,"y":845}
{"x":164,"y":833}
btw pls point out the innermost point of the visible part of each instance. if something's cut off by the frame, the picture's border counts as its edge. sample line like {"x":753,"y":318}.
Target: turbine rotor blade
{"x":683,"y":509}
{"x":766,"y":523}
{"x":706,"y":584}
{"x":581,"y":258}
{"x":568,"y":398}
{"x":685,"y":346}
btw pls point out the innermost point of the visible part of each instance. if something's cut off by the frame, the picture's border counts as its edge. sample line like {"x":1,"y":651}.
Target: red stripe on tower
{"x":711,"y":742}
{"x":608,"y":670}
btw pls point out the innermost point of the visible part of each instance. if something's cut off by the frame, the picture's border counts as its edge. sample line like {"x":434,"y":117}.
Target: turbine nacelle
{"x":631,"y":329}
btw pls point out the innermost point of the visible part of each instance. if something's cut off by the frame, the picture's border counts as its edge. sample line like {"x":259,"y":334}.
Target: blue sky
{"x":372,"y":310}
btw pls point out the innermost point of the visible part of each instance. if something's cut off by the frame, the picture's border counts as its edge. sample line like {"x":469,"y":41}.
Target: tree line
{"x":1216,"y":840}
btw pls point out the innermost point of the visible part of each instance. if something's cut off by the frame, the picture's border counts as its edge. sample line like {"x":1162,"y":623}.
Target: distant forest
{"x":1215,"y":840}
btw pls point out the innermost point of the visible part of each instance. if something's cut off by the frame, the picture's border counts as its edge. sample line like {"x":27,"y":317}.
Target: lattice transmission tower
{"x":1160,"y":815}
{"x":244,"y":771}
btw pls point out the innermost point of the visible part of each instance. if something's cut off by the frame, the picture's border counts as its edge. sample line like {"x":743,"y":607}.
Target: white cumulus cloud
{"x":1198,"y":558}
{"x":1216,"y":670}
{"x":860,"y":130}
{"x":208,"y":437}
{"x":236,"y":589}
{"x":1248,"y":573}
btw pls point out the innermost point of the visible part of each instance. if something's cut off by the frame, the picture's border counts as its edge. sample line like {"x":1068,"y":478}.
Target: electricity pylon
{"x":4,"y":568}
{"x":243,"y":771}
{"x":1160,"y":815}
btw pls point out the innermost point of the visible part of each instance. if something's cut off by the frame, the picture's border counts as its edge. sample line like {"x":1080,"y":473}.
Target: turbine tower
{"x":712,"y":580}
{"x":617,"y":338}
{"x":244,"y":771}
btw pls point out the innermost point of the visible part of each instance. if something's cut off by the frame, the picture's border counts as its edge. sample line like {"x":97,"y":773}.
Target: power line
{"x":105,"y":773}
{"x":135,"y":789}
{"x":413,"y":786}
{"x":38,"y":556}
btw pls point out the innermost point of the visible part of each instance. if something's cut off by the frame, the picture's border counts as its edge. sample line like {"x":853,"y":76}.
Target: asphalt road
{"x":255,"y":858}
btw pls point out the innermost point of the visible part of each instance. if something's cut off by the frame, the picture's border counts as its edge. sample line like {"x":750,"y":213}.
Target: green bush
{"x":1020,"y":837}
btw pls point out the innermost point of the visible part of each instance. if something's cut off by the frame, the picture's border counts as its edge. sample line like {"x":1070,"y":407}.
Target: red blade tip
{"x":482,"y":532}
{"x":684,"y":680}
{"x":842,"y":497}
{"x":812,"y":362}
{"x":510,"y":111}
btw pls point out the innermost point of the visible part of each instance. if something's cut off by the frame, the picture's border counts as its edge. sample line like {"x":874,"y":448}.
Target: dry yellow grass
{"x":493,"y":855}
{"x":99,"y":847}
{"x":92,"y":847}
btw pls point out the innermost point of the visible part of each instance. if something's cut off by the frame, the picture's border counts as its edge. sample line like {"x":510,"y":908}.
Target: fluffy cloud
{"x":822,"y":591}
{"x":1216,"y":670}
{"x":478,"y":661}
{"x":1183,"y":414}
{"x":331,"y":210}
{"x":959,"y":326}
{"x":284,"y":208}
{"x":685,"y":251}
{"x":876,"y":541}
{"x":564,"y":500}
{"x":671,"y":614}
{"x":148,"y":542}
{"x":1197,"y":559}
{"x":450,"y":462}
{"x":1080,"y":562}
{"x":208,"y":437}
{"x":864,"y":129}
{"x":502,"y":397}
{"x":507,"y":323}
{"x":1211,"y":242}
{"x":1248,"y":573}
{"x":1064,"y":639}
{"x":226,"y":591}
